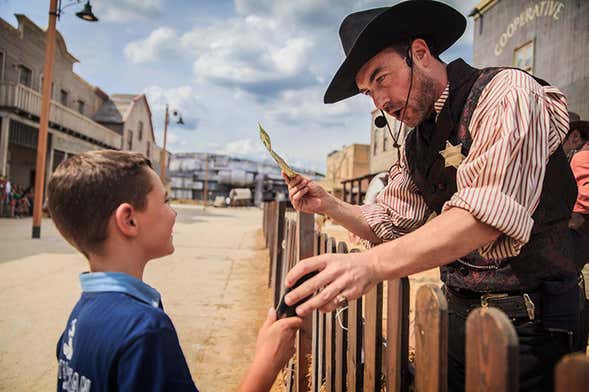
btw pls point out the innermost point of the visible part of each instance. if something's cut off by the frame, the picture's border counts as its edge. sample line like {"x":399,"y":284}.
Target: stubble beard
{"x":424,"y":97}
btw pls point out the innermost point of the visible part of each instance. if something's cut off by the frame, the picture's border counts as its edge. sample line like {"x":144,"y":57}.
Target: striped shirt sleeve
{"x":399,"y":208}
{"x":515,"y":127}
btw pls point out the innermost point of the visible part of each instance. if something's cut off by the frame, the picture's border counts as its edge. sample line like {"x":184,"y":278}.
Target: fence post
{"x":431,"y":339}
{"x":316,"y":374}
{"x":276,"y":261}
{"x":354,"y":368}
{"x":572,"y":373}
{"x":322,"y":322}
{"x":373,"y":339}
{"x":397,"y":335}
{"x":330,"y":335}
{"x":305,"y":231}
{"x":492,"y":357}
{"x":341,"y":342}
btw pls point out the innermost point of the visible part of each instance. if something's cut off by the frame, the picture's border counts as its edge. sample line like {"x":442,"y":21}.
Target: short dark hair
{"x":86,"y":189}
{"x":582,"y":127}
{"x":401,"y":47}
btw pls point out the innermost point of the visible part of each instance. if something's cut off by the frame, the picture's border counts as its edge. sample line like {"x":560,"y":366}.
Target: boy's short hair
{"x":86,"y":189}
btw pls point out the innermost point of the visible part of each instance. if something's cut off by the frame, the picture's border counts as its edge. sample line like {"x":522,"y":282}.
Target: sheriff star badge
{"x":452,"y":155}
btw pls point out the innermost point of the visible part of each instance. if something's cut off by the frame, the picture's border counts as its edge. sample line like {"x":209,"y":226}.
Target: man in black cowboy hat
{"x":485,"y":156}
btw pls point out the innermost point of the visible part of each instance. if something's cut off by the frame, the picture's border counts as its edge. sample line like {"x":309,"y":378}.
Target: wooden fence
{"x":353,"y":351}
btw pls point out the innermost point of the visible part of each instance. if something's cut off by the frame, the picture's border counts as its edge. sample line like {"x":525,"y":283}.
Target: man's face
{"x":386,"y":78}
{"x":156,"y":221}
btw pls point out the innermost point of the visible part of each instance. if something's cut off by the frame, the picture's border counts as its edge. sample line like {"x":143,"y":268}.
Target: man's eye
{"x":381,"y":78}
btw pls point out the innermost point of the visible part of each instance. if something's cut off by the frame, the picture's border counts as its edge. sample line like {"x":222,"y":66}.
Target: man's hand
{"x":274,"y":347}
{"x":306,"y":196}
{"x":343,"y":276}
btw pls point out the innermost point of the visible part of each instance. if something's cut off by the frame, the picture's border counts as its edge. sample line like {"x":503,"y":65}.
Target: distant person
{"x":576,"y":137}
{"x":113,"y":208}
{"x":3,"y":197}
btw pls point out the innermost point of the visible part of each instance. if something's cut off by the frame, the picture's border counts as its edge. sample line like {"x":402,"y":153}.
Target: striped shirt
{"x":515,"y":127}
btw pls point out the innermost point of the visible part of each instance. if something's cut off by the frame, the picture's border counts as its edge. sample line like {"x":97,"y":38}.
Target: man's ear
{"x":126,"y":220}
{"x":420,"y":52}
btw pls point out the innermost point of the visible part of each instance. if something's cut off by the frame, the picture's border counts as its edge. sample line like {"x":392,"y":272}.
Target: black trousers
{"x":539,"y":351}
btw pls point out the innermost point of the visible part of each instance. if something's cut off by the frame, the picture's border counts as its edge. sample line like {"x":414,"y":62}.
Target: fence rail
{"x":351,"y":350}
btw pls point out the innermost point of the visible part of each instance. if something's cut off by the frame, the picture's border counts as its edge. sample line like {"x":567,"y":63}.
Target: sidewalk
{"x":213,"y":288}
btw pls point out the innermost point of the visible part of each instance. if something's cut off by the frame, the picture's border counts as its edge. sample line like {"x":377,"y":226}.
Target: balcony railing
{"x":26,"y":100}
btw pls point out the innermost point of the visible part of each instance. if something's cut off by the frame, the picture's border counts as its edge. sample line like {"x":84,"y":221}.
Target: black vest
{"x":549,"y":255}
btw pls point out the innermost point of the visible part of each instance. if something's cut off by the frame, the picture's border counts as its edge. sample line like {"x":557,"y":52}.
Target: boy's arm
{"x":274,"y":347}
{"x":153,"y":362}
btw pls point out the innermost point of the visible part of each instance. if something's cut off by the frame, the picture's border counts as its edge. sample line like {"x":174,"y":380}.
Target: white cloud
{"x":127,"y":10}
{"x":242,"y":148}
{"x":163,"y":43}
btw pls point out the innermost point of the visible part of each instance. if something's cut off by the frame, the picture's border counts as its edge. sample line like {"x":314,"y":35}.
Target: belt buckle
{"x":486,"y":297}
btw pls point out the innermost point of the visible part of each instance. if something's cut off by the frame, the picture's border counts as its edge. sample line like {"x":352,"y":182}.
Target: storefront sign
{"x":544,"y":8}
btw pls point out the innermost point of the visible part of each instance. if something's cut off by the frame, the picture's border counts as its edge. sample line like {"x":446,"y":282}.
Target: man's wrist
{"x":329,"y":206}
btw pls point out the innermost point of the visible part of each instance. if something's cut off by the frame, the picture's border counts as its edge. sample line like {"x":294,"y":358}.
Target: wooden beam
{"x":492,"y":356}
{"x":431,"y":339}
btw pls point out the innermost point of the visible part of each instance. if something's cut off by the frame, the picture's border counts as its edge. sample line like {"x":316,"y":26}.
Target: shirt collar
{"x":439,"y":104}
{"x":96,"y":282}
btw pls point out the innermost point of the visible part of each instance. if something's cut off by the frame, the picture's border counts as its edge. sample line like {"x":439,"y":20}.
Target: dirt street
{"x":213,"y":288}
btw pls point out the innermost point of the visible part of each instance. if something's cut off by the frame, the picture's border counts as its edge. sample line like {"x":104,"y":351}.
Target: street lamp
{"x":175,"y":114}
{"x":55,"y":11}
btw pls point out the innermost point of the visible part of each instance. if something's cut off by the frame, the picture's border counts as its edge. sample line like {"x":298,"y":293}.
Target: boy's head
{"x":99,"y":194}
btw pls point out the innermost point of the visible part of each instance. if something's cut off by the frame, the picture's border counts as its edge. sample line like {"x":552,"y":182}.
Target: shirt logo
{"x":68,"y":346}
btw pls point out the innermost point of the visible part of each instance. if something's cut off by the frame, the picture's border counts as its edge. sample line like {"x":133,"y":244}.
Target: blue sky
{"x":227,"y":65}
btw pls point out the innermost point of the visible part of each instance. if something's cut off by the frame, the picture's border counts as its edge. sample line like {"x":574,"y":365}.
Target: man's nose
{"x":379,"y":100}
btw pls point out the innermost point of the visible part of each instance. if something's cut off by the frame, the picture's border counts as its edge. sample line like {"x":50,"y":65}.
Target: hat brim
{"x":438,"y":24}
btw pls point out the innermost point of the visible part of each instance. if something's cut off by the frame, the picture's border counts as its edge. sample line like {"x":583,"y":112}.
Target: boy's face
{"x":156,"y":221}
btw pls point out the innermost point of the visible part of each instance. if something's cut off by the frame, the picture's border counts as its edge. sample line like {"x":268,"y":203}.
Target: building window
{"x":25,"y":76}
{"x":523,"y":57}
{"x":130,"y":140}
{"x":148,"y":149}
{"x":140,"y":131}
{"x":81,"y":105}
{"x":63,"y":97}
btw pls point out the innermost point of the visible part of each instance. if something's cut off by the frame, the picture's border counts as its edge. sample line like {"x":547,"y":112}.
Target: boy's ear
{"x":126,"y":220}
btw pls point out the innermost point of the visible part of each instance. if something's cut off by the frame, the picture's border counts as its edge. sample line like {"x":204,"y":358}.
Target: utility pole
{"x":44,"y":120}
{"x":163,"y":154}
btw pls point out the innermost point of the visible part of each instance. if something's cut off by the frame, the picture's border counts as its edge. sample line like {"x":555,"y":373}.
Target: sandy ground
{"x":213,"y":288}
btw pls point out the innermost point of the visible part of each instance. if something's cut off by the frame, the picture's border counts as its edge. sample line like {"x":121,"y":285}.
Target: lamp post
{"x":163,"y":155}
{"x":54,"y":13}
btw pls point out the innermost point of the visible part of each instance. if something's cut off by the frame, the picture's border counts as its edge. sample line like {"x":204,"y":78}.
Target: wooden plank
{"x":354,"y":355}
{"x":315,"y":378}
{"x":572,"y":373}
{"x":492,"y":357}
{"x":373,"y":339}
{"x":277,"y":245}
{"x":322,"y":321}
{"x":304,"y":240}
{"x":330,"y":335}
{"x":264,"y":218}
{"x":397,"y":369}
{"x":341,"y":342}
{"x":431,"y":339}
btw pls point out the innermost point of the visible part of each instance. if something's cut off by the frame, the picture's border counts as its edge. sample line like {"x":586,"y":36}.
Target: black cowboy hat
{"x":365,"y":33}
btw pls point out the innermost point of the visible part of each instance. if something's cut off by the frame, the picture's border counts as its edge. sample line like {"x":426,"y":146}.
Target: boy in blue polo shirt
{"x":112,"y":207}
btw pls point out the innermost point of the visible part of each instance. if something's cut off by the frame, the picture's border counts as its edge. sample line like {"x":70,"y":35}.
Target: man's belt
{"x":515,"y":306}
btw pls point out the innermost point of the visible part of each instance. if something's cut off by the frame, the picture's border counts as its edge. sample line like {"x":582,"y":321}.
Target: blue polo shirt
{"x":118,"y":338}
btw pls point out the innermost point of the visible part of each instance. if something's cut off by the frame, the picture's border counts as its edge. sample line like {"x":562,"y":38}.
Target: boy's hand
{"x":306,"y":196}
{"x":275,"y":343}
{"x":274,"y":347}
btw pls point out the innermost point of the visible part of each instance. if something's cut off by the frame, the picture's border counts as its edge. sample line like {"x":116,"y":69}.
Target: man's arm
{"x":442,"y":240}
